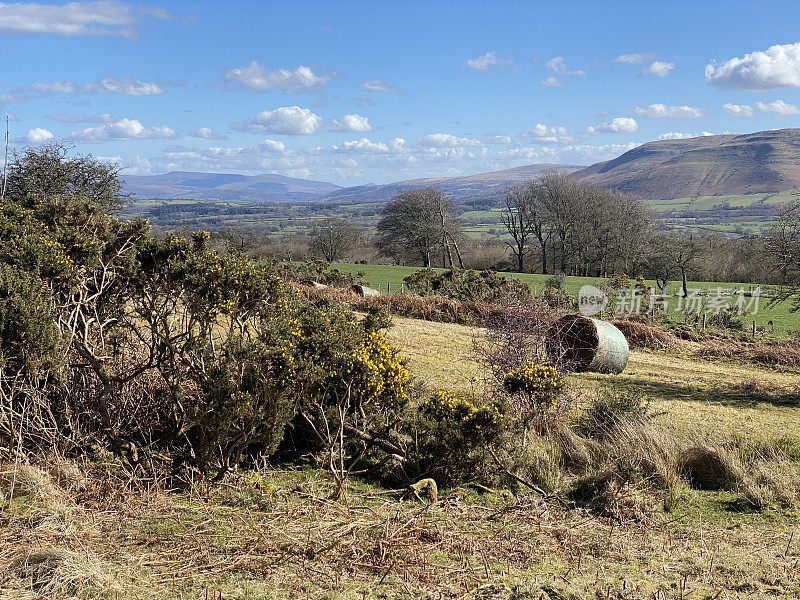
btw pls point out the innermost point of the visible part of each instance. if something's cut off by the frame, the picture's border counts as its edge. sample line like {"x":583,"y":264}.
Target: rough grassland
{"x":697,"y":397}
{"x":82,"y":531}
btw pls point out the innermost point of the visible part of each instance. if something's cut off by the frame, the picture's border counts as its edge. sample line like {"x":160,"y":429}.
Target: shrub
{"x":554,"y":294}
{"x":28,"y":334}
{"x":468,"y":286}
{"x":172,"y":353}
{"x":727,"y":318}
{"x":453,"y":433}
{"x":534,"y":389}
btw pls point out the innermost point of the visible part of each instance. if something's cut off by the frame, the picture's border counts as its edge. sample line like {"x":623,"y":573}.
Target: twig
{"x":532,"y":486}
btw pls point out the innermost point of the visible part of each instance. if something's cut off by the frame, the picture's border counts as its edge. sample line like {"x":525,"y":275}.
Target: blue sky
{"x":359,"y":92}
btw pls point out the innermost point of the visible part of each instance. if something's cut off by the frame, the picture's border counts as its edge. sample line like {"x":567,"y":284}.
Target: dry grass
{"x":429,"y":308}
{"x":785,"y":353}
{"x":693,"y":397}
{"x":645,"y":335}
{"x":280,"y":538}
{"x":441,"y":354}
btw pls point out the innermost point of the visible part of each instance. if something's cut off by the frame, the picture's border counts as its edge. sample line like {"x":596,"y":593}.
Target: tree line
{"x":551,"y":224}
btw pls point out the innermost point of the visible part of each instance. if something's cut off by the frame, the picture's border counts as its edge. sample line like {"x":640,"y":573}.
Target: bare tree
{"x":782,"y":246}
{"x":235,"y":240}
{"x":517,"y":221}
{"x":559,"y":200}
{"x":417,"y":224}
{"x":333,"y":238}
{"x":674,"y":253}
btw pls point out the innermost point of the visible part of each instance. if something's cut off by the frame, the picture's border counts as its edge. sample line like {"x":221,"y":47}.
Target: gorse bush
{"x":474,"y":421}
{"x":468,"y":285}
{"x":453,"y":433}
{"x":167,"y":351}
{"x":534,"y":390}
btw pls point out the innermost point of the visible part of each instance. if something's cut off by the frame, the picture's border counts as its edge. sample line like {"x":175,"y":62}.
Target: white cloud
{"x":659,"y":68}
{"x":501,"y":140}
{"x":548,"y":134}
{"x":135,"y":165}
{"x":637,"y":58}
{"x":600,"y":152}
{"x":38,"y":135}
{"x":286,"y":120}
{"x":779,"y":107}
{"x":552,"y":82}
{"x":124,"y":129}
{"x":380,"y":85}
{"x":558,"y":66}
{"x":256,"y":78}
{"x":617,"y":125}
{"x":365,"y":146}
{"x":662,"y":111}
{"x":267,"y":156}
{"x":676,"y":135}
{"x":738,"y":110}
{"x":70,"y":118}
{"x":777,"y":67}
{"x":269,"y":145}
{"x":101,"y":18}
{"x":125,"y":86}
{"x":352,"y":124}
{"x":446,"y":140}
{"x":207,"y":133}
{"x":487,"y":62}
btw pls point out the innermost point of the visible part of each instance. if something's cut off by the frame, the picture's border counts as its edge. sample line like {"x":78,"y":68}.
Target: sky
{"x":373,"y":92}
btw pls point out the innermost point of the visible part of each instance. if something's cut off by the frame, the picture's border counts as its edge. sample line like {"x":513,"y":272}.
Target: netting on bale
{"x":578,"y":343}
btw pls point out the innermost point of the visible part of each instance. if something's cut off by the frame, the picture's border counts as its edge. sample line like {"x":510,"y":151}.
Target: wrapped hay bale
{"x":364,"y":291}
{"x":578,"y":343}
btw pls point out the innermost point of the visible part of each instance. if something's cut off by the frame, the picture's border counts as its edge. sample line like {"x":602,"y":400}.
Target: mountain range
{"x":762,"y":162}
{"x":714,"y":165}
{"x":226,"y":187}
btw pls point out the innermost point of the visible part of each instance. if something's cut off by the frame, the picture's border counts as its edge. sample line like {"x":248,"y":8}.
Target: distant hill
{"x":717,"y":165}
{"x":762,"y":162}
{"x":472,"y":187}
{"x":226,"y":187}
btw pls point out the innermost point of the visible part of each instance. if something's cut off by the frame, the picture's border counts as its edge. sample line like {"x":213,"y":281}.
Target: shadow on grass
{"x":745,"y":395}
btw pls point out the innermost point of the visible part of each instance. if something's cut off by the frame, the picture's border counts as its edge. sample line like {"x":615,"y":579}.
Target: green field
{"x":785,"y":321}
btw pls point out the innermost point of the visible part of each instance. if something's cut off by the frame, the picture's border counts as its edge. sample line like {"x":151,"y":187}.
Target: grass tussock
{"x":616,"y":460}
{"x":707,"y":467}
{"x":61,"y":573}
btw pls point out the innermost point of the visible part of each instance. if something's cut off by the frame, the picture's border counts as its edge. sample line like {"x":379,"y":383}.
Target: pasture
{"x":784,"y":319}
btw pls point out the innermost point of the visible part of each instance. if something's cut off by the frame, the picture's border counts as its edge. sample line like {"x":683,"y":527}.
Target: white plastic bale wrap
{"x":578,"y":343}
